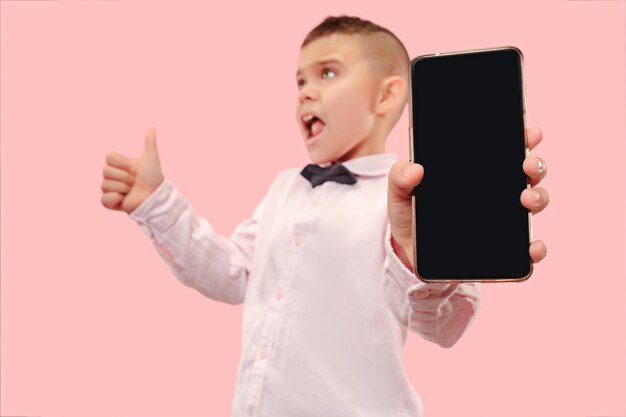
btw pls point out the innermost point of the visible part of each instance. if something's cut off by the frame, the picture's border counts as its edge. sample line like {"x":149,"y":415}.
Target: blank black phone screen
{"x":469,"y":135}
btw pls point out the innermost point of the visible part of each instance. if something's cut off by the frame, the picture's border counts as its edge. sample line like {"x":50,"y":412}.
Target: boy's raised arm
{"x":199,"y":257}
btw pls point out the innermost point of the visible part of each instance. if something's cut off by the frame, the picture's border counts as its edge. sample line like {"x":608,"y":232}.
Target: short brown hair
{"x":392,"y":55}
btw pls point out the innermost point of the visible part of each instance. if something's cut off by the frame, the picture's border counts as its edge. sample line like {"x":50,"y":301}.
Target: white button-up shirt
{"x":326,"y":301}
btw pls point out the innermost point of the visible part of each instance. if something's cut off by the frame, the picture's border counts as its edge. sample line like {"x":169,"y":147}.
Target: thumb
{"x":404,"y":176}
{"x":150,"y":148}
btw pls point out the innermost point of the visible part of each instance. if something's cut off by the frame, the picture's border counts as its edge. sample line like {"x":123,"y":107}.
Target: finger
{"x":111,"y":200}
{"x":114,"y":186}
{"x":535,"y":199}
{"x":534,"y":135}
{"x":404,"y":176}
{"x":538,"y":250}
{"x":536,"y":169}
{"x":118,"y":160}
{"x":150,"y":148}
{"x":117,"y":174}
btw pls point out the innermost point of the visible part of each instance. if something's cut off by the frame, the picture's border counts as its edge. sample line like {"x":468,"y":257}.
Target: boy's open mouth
{"x":313,"y":124}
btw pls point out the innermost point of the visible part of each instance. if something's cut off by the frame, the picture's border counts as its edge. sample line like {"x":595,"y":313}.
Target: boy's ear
{"x":391,"y":95}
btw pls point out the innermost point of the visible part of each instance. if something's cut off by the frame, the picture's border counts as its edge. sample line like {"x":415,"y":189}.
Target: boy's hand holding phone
{"x":405,"y":175}
{"x":128,"y":182}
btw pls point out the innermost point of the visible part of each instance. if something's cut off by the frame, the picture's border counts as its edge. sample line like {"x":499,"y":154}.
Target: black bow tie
{"x":318,"y":175}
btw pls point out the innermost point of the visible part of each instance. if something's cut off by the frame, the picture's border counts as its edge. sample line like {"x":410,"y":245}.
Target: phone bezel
{"x":527,"y":152}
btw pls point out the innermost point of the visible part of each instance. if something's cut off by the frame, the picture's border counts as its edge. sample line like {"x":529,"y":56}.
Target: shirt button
{"x":297,"y":240}
{"x":421,"y":293}
{"x":314,"y":201}
{"x":263,"y":353}
{"x":280,"y":294}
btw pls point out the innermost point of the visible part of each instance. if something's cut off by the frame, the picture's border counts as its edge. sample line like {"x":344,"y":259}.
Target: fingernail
{"x":536,"y":197}
{"x":408,"y":170}
{"x":541,"y":167}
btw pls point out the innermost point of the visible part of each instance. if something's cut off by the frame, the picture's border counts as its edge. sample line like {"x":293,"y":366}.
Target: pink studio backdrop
{"x":94,"y":324}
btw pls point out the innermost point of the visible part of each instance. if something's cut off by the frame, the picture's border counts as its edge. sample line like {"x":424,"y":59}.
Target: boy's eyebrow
{"x":321,"y":62}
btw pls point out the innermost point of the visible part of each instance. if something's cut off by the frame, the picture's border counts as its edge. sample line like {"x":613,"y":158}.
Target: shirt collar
{"x":371,"y":165}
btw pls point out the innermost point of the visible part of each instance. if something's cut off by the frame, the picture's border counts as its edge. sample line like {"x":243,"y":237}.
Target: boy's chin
{"x":319,"y":157}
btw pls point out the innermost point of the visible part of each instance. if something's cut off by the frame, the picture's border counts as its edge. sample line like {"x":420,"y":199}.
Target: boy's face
{"x":340,"y":94}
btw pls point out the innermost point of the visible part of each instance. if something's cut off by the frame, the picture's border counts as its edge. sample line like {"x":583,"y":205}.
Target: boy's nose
{"x":307,"y":93}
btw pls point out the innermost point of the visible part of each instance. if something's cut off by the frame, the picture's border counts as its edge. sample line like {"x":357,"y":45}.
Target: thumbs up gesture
{"x":128,"y":182}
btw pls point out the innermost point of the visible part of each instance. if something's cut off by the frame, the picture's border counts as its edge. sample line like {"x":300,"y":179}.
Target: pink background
{"x":94,"y":324}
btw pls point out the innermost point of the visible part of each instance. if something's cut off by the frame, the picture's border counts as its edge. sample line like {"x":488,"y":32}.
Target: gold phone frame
{"x":413,"y":229}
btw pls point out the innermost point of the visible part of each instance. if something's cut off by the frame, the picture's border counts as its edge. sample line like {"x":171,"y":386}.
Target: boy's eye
{"x":324,"y":71}
{"x":327,"y":70}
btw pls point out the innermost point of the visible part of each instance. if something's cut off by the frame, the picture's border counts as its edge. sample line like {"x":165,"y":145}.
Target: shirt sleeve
{"x":216,"y":266}
{"x":439,"y":313}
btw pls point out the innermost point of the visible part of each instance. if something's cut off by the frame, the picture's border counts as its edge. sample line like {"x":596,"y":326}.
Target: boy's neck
{"x":365,"y":148}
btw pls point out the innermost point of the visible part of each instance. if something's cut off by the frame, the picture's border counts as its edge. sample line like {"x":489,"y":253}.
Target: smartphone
{"x":467,"y":112}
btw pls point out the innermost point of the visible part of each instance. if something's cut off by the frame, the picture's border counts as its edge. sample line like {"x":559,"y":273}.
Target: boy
{"x":321,"y":266}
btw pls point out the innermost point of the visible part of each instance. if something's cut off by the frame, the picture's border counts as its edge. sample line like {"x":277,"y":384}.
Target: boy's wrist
{"x":401,"y":254}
